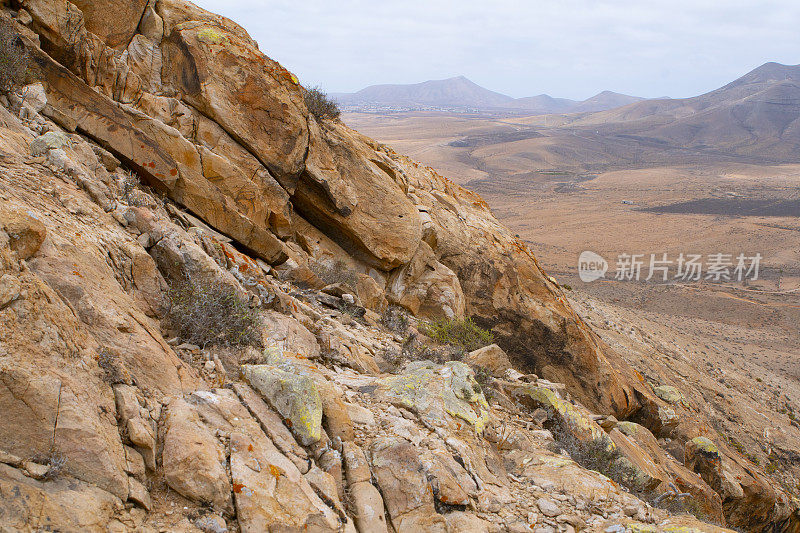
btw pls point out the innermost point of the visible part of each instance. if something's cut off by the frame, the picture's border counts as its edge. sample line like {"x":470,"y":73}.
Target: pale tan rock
{"x":26,"y":232}
{"x":115,"y":22}
{"x":273,"y":426}
{"x":62,"y":504}
{"x":270,"y":492}
{"x":370,"y":293}
{"x":360,"y":415}
{"x":462,"y":521}
{"x":138,"y":494}
{"x":134,"y":463}
{"x":369,"y":508}
{"x":376,"y":223}
{"x":326,"y":486}
{"x":492,"y":358}
{"x":356,"y":467}
{"x":192,"y":459}
{"x":426,"y":287}
{"x":400,"y":474}
{"x":10,"y":288}
{"x":451,"y":484}
{"x":126,"y":401}
{"x":336,"y":418}
{"x":222,"y":73}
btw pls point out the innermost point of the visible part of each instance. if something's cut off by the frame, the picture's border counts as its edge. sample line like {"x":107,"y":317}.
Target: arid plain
{"x":736,"y":344}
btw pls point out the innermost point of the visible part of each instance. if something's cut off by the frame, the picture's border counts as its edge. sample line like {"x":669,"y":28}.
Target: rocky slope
{"x":111,"y":423}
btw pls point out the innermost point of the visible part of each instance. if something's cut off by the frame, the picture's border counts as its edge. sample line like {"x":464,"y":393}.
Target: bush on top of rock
{"x":319,"y":104}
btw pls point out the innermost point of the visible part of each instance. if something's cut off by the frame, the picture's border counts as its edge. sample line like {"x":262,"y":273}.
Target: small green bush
{"x":320,"y":105}
{"x":212,"y":314}
{"x":486,"y":380}
{"x":13,"y":58}
{"x":463,"y":333}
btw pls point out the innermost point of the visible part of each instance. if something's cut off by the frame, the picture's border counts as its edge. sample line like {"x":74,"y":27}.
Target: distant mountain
{"x":754,"y":119}
{"x":603,"y":101}
{"x":543,"y":104}
{"x":459,"y":93}
{"x":755,"y":115}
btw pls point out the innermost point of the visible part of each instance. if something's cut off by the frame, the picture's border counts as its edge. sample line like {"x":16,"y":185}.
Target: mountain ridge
{"x":461,"y":93}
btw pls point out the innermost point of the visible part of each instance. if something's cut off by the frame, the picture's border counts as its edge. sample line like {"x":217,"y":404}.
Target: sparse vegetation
{"x":320,"y":104}
{"x":352,"y":309}
{"x":113,"y":372}
{"x":593,"y":454}
{"x":333,"y":273}
{"x":13,"y":58}
{"x":395,"y":319}
{"x":485,"y":379}
{"x":415,"y":350}
{"x":463,"y":333}
{"x":54,"y":460}
{"x":212,"y":314}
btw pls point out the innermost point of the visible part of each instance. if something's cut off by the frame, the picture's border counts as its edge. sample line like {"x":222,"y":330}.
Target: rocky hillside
{"x":219,"y":314}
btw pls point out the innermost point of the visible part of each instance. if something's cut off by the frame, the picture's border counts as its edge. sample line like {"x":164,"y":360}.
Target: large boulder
{"x":113,"y":21}
{"x":60,"y":505}
{"x":293,"y":394}
{"x":224,"y":75}
{"x":25,"y":231}
{"x":193,"y":460}
{"x":159,"y":154}
{"x":353,"y":200}
{"x":426,"y":287}
{"x":439,"y":393}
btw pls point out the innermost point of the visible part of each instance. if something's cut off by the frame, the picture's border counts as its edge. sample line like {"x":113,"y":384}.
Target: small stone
{"x":548,"y":507}
{"x":211,"y":523}
{"x":360,"y":415}
{"x":144,"y":240}
{"x":609,"y":423}
{"x":23,"y":17}
{"x":49,"y":141}
{"x":140,"y":434}
{"x":137,"y":493}
{"x":10,"y":288}
{"x":35,"y":470}
{"x":668,"y":393}
{"x":189,"y":347}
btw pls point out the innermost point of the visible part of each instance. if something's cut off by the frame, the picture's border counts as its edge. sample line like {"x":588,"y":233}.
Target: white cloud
{"x":571,"y":48}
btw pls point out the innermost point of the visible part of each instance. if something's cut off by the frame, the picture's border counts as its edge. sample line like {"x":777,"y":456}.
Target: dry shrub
{"x":54,"y":460}
{"x":320,"y":105}
{"x":592,"y":454}
{"x":331,"y":274}
{"x":212,"y":314}
{"x":395,"y":319}
{"x":13,"y":58}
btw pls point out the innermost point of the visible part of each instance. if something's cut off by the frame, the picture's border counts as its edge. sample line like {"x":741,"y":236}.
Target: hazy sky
{"x":567,"y":48}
